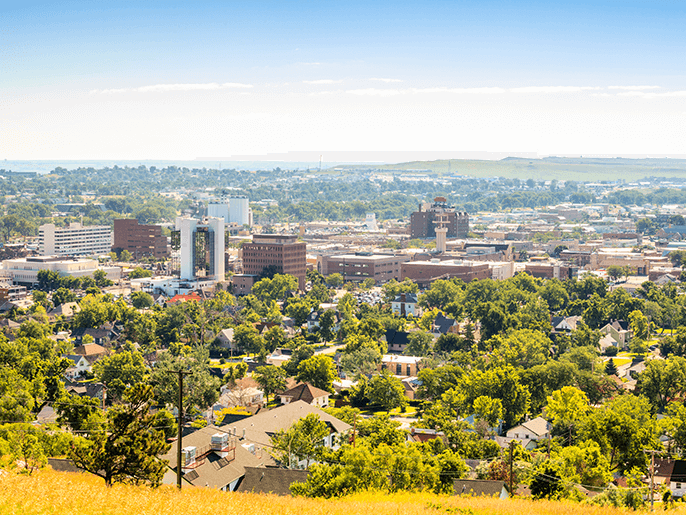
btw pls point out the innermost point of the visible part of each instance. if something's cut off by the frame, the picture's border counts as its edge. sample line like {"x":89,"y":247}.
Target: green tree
{"x":362,"y":361}
{"x":201,"y":389}
{"x":420,"y":343}
{"x":662,"y":381}
{"x":120,"y":371}
{"x":298,"y":311}
{"x":303,"y":441}
{"x":141,"y":300}
{"x":271,"y":379}
{"x":335,"y":280}
{"x":639,"y":325}
{"x":327,"y":321}
{"x":62,"y":296}
{"x":611,"y":368}
{"x":126,"y":448}
{"x":16,"y":400}
{"x":125,"y":256}
{"x":566,"y":407}
{"x":139,"y":273}
{"x":387,"y":391}
{"x":319,"y":371}
{"x":101,"y":280}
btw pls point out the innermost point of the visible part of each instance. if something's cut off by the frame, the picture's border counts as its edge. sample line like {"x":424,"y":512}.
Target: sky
{"x":221,"y":79}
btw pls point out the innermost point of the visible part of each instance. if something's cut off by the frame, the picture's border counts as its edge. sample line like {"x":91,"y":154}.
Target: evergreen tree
{"x":611,"y":368}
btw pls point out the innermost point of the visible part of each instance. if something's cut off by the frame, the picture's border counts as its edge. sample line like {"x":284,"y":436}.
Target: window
{"x":398,"y":369}
{"x":678,"y":486}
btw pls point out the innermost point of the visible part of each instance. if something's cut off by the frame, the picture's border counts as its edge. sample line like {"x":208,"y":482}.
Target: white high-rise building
{"x":74,"y":240}
{"x":239,"y":210}
{"x":219,"y":209}
{"x":202,"y":249}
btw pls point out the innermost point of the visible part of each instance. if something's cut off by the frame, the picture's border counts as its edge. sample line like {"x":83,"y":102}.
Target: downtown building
{"x":74,"y":240}
{"x":283,"y":253}
{"x":140,"y":240}
{"x":423,"y":223}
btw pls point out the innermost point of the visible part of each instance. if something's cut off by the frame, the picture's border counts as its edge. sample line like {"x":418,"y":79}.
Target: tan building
{"x":363,"y":265}
{"x":285,"y":253}
{"x":549,"y":271}
{"x":139,"y":240}
{"x":426,"y":272}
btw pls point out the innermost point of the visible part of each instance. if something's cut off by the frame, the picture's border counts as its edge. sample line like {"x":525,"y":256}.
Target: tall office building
{"x":285,"y":253}
{"x":202,"y":249}
{"x":74,"y":240}
{"x":423,"y":223}
{"x":140,"y":240}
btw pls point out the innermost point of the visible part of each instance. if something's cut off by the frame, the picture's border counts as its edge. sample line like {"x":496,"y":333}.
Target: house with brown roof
{"x":308,"y":393}
{"x":270,"y":480}
{"x":92,"y":351}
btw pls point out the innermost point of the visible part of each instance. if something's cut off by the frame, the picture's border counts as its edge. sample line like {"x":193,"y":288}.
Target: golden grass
{"x":59,"y":493}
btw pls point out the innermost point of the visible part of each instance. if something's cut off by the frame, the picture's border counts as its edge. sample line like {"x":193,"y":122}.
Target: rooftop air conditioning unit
{"x":188,"y":455}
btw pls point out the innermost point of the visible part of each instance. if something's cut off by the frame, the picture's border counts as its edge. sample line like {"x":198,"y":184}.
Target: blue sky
{"x":179,"y":80}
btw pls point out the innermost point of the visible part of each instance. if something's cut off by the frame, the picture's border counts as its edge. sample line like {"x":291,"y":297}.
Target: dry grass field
{"x":58,"y":493}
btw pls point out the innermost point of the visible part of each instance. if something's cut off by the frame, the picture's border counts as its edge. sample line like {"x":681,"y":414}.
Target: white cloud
{"x":393,"y":92}
{"x":385,"y":80}
{"x":323,"y":81}
{"x":633,"y":88}
{"x":553,"y":89}
{"x":163,"y":88}
{"x":643,"y":94}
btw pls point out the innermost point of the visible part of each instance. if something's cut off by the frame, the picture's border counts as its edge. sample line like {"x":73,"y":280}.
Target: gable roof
{"x":538,"y":426}
{"x":410,"y":298}
{"x":68,"y":309}
{"x":90,"y":349}
{"x":443,"y":323}
{"x":270,"y":480}
{"x":305,"y":392}
{"x":261,"y":426}
{"x":394,"y":337}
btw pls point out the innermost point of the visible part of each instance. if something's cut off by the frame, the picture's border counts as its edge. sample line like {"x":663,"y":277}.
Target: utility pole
{"x":179,"y":439}
{"x":354,"y":429}
{"x":652,"y":453}
{"x":511,"y":465}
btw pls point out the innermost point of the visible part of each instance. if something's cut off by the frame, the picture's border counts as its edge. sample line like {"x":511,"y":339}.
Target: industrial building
{"x":233,"y":210}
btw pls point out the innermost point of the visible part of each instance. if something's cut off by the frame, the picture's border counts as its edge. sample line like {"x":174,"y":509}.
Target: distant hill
{"x":49,"y":492}
{"x":561,"y":168}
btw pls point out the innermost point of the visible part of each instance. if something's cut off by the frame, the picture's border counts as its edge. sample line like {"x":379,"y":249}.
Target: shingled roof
{"x":268,"y":480}
{"x":305,"y":392}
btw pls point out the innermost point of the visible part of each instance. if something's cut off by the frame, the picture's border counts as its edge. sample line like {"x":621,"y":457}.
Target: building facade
{"x":423,"y":223}
{"x":426,"y":272}
{"x":25,"y":270}
{"x":285,"y":253}
{"x":74,"y":240}
{"x":362,"y":265}
{"x":139,"y":240}
{"x":202,"y":249}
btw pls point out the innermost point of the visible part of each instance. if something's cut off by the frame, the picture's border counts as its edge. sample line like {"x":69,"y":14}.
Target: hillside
{"x":577,"y":169}
{"x":74,"y":494}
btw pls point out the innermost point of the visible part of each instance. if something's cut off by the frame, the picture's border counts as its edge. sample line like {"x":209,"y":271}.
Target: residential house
{"x":270,"y":480}
{"x":92,"y":390}
{"x":397,"y":340}
{"x":101,"y":336}
{"x":308,"y":393}
{"x":313,"y":321}
{"x":420,"y":435}
{"x":443,"y":324}
{"x":79,"y":367}
{"x":212,"y":457}
{"x":564,"y":324}
{"x":672,"y":474}
{"x":405,"y":304}
{"x":66,"y":310}
{"x":279,"y":356}
{"x":256,"y":431}
{"x":528,"y":433}
{"x":92,"y":351}
{"x":620,"y":330}
{"x":244,"y":392}
{"x":406,"y":366}
{"x":225,"y":339}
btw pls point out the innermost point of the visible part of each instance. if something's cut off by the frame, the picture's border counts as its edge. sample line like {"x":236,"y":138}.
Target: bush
{"x":611,"y":351}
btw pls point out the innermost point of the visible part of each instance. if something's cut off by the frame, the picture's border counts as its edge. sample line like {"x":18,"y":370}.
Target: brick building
{"x":550,"y":271}
{"x":139,"y":240}
{"x":423,"y":223}
{"x":362,"y":265}
{"x":285,"y":253}
{"x":426,"y":272}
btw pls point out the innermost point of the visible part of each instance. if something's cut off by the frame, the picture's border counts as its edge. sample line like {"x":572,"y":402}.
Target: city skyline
{"x":169,"y":80}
